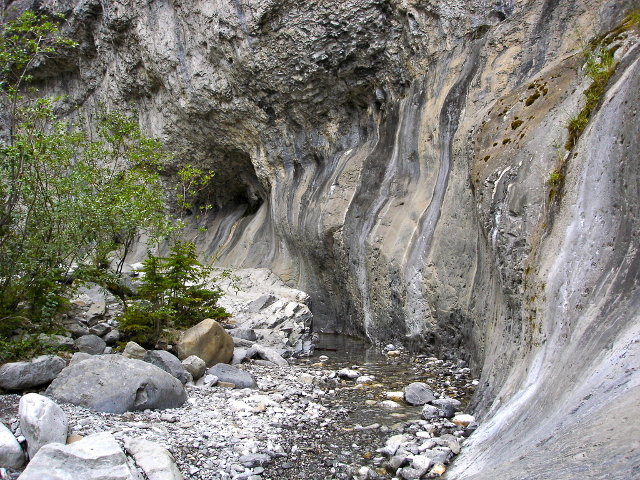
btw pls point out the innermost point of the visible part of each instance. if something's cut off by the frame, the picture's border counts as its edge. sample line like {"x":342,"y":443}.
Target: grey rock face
{"x":418,"y":393}
{"x":11,"y":454}
{"x":96,"y":457}
{"x":413,"y":198}
{"x":167,"y":362}
{"x":115,"y":384}
{"x":91,"y":344}
{"x":39,"y":371}
{"x":42,"y":422}
{"x":244,"y":333}
{"x":227,"y":373}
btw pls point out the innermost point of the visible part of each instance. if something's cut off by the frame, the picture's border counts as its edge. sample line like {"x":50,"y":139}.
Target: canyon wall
{"x":407,"y":163}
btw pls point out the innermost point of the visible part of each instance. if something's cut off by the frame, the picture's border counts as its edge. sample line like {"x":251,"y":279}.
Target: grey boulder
{"x":11,"y":454}
{"x":39,"y":371}
{"x":418,"y":393}
{"x":429,"y":412}
{"x":112,"y":337}
{"x":91,"y":344}
{"x":167,"y":362}
{"x":116,"y":384}
{"x":41,"y":422}
{"x":229,"y":374}
{"x":447,"y":406}
{"x":96,"y":457}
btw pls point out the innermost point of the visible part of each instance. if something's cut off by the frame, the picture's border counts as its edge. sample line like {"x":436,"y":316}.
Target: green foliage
{"x":25,"y":348}
{"x":633,"y":20}
{"x":64,"y":199}
{"x":192,"y":181}
{"x":599,"y":67}
{"x":176,"y":292}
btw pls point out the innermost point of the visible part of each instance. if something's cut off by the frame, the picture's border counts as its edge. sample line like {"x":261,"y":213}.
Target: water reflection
{"x":343,"y":349}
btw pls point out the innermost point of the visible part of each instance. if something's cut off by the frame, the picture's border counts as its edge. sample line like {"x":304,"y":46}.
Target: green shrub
{"x":176,"y":292}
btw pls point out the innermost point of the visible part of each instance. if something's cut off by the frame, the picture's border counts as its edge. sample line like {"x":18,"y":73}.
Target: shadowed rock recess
{"x":403,"y":162}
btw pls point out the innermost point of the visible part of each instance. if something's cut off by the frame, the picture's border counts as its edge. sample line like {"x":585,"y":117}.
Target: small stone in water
{"x":398,"y":396}
{"x":389,"y":404}
{"x":348,"y":374}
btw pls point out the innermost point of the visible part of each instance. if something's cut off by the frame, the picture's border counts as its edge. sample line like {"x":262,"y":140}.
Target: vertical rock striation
{"x":404,"y":163}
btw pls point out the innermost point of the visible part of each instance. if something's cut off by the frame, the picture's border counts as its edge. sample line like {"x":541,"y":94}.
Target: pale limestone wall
{"x":366,"y":152}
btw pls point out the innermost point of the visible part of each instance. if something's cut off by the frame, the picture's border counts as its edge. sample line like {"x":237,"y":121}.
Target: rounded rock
{"x":207,"y":340}
{"x":91,"y":344}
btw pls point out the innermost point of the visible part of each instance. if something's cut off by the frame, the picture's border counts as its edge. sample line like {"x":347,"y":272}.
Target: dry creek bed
{"x":303,"y":421}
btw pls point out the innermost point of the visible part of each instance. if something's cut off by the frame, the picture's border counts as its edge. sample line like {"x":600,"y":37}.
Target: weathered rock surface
{"x":167,"y":362}
{"x":266,"y":310}
{"x":11,"y":454}
{"x":207,"y":340}
{"x":266,"y":353}
{"x":116,"y":384}
{"x":155,"y":460}
{"x":418,"y":393}
{"x":134,"y":351}
{"x":39,"y":371}
{"x":96,"y":457}
{"x":195,"y":366}
{"x":42,"y":422}
{"x":404,"y":164}
{"x":91,"y":344}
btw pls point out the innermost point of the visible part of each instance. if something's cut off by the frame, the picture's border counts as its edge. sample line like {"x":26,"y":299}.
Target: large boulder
{"x":11,"y":454}
{"x":167,"y":362}
{"x":229,"y":374}
{"x":91,"y":344}
{"x":96,"y":457}
{"x":41,"y":422}
{"x":39,"y":371}
{"x":207,"y":340}
{"x":155,"y":460}
{"x":115,"y":384}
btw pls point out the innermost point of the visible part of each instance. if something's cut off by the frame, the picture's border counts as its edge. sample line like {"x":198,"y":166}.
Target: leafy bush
{"x":64,"y":199}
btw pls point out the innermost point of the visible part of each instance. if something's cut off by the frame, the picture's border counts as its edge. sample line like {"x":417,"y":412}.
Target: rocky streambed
{"x":339,"y":414}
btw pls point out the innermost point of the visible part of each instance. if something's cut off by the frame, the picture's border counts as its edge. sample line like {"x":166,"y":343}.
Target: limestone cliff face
{"x":403,"y":162}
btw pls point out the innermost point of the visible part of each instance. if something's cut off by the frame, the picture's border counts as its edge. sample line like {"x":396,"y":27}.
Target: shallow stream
{"x":357,"y":424}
